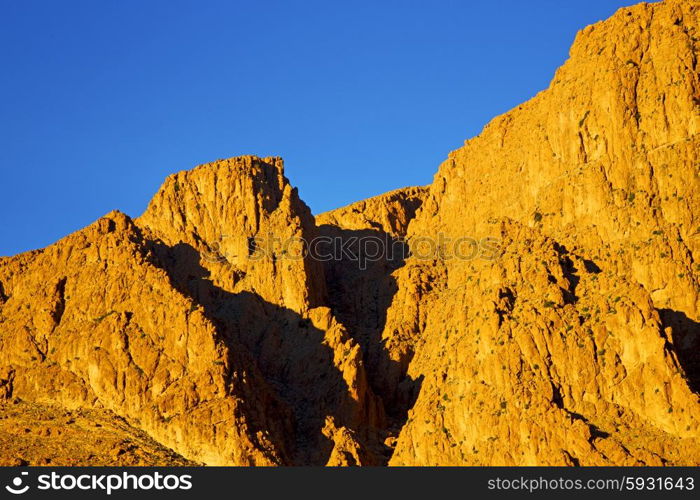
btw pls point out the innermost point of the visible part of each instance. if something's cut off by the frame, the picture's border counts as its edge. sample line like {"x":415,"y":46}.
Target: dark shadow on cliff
{"x":360,"y":291}
{"x":685,"y":341}
{"x":286,"y":350}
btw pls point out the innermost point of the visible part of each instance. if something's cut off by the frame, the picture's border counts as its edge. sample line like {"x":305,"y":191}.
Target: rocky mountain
{"x":538,"y":303}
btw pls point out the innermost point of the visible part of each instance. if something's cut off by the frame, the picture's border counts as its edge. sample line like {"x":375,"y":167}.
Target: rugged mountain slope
{"x":236,"y":230}
{"x":538,"y":357}
{"x":35,"y":434}
{"x":218,"y":355}
{"x":537,"y":304}
{"x":557,"y":352}
{"x":94,"y":320}
{"x":605,"y":160}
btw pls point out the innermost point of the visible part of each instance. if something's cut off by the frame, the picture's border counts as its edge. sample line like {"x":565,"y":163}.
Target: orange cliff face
{"x":579,"y":344}
{"x":570,"y":336}
{"x":224,"y":359}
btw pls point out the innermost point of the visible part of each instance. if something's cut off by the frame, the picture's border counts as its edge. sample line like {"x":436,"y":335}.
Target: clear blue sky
{"x":101,"y":100}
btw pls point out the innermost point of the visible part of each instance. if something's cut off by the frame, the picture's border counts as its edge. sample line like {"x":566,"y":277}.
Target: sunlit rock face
{"x":539,"y":305}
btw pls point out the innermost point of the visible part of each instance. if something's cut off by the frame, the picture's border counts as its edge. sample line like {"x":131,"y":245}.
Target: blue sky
{"x":101,"y":100}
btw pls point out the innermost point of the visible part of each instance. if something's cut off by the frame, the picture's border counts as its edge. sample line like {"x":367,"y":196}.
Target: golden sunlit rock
{"x":537,"y":304}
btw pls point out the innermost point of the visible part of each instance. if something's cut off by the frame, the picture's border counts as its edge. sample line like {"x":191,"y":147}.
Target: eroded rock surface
{"x":537,"y":304}
{"x":578,"y":344}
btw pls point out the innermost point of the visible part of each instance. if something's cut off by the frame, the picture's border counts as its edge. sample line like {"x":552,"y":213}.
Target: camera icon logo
{"x":17,"y":483}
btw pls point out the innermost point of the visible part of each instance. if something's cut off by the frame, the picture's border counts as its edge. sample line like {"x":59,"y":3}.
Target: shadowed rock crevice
{"x":59,"y":301}
{"x":360,"y":292}
{"x":685,"y":337}
{"x":368,"y":247}
{"x":288,"y":350}
{"x":571,"y":273}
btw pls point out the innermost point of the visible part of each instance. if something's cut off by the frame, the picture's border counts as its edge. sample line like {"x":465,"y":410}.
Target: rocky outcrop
{"x":248,"y":224}
{"x":389,"y":213}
